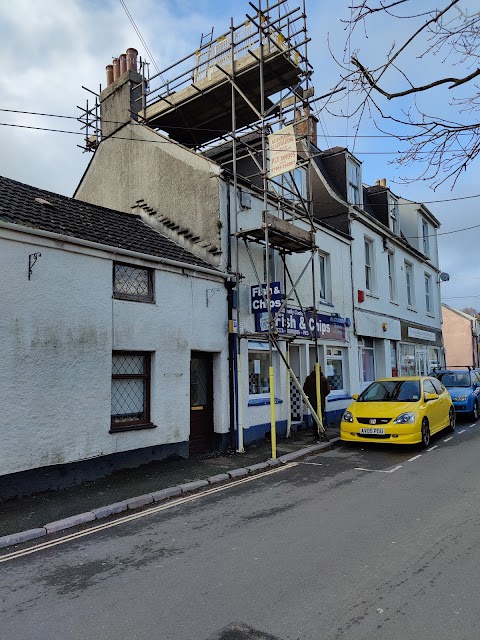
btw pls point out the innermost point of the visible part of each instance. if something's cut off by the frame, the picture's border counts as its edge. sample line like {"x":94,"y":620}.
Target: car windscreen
{"x":391,"y":391}
{"x":454,"y":379}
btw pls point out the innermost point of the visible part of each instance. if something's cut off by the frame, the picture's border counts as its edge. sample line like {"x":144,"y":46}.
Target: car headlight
{"x":347,"y":417}
{"x":461,"y":398}
{"x":405,"y":418}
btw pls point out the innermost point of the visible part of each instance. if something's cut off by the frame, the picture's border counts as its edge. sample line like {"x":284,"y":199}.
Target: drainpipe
{"x":231,"y":336}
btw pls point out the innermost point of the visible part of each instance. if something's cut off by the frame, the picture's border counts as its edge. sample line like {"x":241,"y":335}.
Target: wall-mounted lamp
{"x":444,"y":277}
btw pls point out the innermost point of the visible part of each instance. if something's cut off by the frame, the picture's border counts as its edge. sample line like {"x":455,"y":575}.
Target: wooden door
{"x":201,"y":402}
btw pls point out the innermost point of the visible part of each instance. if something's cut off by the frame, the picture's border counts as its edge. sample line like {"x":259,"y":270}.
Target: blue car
{"x":464,"y":388}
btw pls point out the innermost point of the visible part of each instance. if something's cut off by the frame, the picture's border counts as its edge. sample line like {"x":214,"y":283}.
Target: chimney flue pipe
{"x":123,"y":63}
{"x":132,"y":59}
{"x":116,"y":68}
{"x":109,"y":70}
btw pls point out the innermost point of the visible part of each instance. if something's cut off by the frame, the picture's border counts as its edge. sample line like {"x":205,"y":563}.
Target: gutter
{"x":109,"y":249}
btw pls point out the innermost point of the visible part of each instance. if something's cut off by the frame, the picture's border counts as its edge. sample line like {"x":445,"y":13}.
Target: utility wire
{"x":321,"y":153}
{"x":129,"y":15}
{"x":220,"y":131}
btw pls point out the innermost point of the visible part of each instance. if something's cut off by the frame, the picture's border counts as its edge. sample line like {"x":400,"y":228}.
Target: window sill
{"x":397,"y":304}
{"x":430,"y":315}
{"x":369,"y":294}
{"x":128,"y":299}
{"x":262,"y":401}
{"x":341,"y":396}
{"x":412,"y":309}
{"x":132,"y":427}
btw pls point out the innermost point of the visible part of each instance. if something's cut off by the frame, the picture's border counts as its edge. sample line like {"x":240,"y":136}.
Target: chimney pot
{"x":109,"y":69}
{"x":383,"y":182}
{"x":131,"y":59}
{"x":377,"y":183}
{"x":116,"y":68}
{"x":123,"y":63}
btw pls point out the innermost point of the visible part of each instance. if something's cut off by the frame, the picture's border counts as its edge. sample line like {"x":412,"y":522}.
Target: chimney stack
{"x":119,"y":101}
{"x":306,"y":125}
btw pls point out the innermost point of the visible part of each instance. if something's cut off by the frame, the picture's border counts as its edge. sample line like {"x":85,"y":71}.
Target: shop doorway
{"x":421,"y":361}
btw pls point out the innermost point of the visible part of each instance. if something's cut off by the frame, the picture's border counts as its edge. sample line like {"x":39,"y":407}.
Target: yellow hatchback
{"x":406,"y":410}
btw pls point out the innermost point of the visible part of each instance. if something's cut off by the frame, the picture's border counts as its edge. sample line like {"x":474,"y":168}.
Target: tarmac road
{"x":354,"y":543}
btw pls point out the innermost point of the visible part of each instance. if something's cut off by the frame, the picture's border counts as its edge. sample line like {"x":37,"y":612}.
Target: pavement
{"x":45,"y":513}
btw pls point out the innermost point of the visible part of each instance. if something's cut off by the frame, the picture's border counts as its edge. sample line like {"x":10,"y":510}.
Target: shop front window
{"x":258,"y":372}
{"x":335,"y":369}
{"x":407,"y":359}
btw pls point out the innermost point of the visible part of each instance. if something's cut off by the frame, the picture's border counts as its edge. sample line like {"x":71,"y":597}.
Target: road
{"x":353,"y":544}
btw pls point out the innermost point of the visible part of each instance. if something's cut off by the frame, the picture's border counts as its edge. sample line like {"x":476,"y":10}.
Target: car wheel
{"x":451,"y":419}
{"x":425,"y":433}
{"x":475,"y":411}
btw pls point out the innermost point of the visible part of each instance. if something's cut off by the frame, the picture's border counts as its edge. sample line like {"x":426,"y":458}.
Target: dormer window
{"x":354,"y":182}
{"x":393,"y":214}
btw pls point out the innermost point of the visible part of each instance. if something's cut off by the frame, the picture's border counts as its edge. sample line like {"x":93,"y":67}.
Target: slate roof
{"x":86,"y":222}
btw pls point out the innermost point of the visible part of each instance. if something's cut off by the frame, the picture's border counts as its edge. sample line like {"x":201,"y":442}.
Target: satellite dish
{"x":444,"y":277}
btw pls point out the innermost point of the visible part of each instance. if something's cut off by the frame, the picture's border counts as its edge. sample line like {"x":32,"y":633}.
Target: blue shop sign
{"x":293,"y":322}
{"x":259,"y":302}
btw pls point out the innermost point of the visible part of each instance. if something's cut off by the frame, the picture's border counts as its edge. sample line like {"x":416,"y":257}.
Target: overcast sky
{"x":50,"y":48}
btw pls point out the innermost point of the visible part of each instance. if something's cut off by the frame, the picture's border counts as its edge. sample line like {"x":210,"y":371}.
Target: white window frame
{"x":324,"y":276}
{"x":426,"y":239}
{"x":369,"y":264}
{"x":393,"y":214}
{"x":340,"y":357}
{"x":392,"y":281}
{"x":354,"y":182}
{"x":410,"y":284}
{"x":428,"y":293}
{"x":262,"y":349}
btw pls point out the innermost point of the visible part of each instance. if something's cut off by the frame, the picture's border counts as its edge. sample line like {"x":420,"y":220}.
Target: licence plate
{"x":372,"y":431}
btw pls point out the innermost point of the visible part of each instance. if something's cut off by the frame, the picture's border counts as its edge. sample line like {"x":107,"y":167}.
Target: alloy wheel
{"x":425,"y":433}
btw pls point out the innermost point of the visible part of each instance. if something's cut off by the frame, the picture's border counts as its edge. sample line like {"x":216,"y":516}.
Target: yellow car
{"x":406,"y":410}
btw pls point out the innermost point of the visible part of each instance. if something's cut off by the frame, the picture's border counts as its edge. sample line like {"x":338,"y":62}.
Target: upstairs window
{"x":409,"y":283}
{"x":391,"y":276}
{"x":426,"y":244}
{"x":132,"y":282}
{"x":354,"y":182}
{"x":369,"y":265}
{"x":323,"y":260}
{"x":393,"y":213}
{"x":428,"y":293}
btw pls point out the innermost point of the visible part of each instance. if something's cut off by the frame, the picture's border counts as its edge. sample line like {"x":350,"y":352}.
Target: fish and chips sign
{"x":283,"y":151}
{"x":292,"y":321}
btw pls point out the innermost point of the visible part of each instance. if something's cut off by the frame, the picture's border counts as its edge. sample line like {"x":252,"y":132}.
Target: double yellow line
{"x":136,"y":516}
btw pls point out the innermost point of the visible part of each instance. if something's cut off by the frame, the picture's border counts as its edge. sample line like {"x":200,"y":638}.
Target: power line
{"x":219,"y":131}
{"x":129,"y":15}
{"x":24,"y":126}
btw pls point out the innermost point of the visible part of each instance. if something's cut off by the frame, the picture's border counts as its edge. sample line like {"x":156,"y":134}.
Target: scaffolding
{"x":226,"y":98}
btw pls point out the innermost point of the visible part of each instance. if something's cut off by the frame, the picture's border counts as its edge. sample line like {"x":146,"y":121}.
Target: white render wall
{"x":58,"y":332}
{"x":379,"y":302}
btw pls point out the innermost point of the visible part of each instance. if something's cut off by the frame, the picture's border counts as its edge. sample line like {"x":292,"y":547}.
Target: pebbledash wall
{"x":58,"y":332}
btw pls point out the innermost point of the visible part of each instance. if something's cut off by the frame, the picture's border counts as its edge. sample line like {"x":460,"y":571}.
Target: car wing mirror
{"x":355,"y":396}
{"x":430,"y":396}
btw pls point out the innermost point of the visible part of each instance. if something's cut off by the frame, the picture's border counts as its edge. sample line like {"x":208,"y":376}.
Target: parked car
{"x":464,"y":388}
{"x":405,"y":410}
